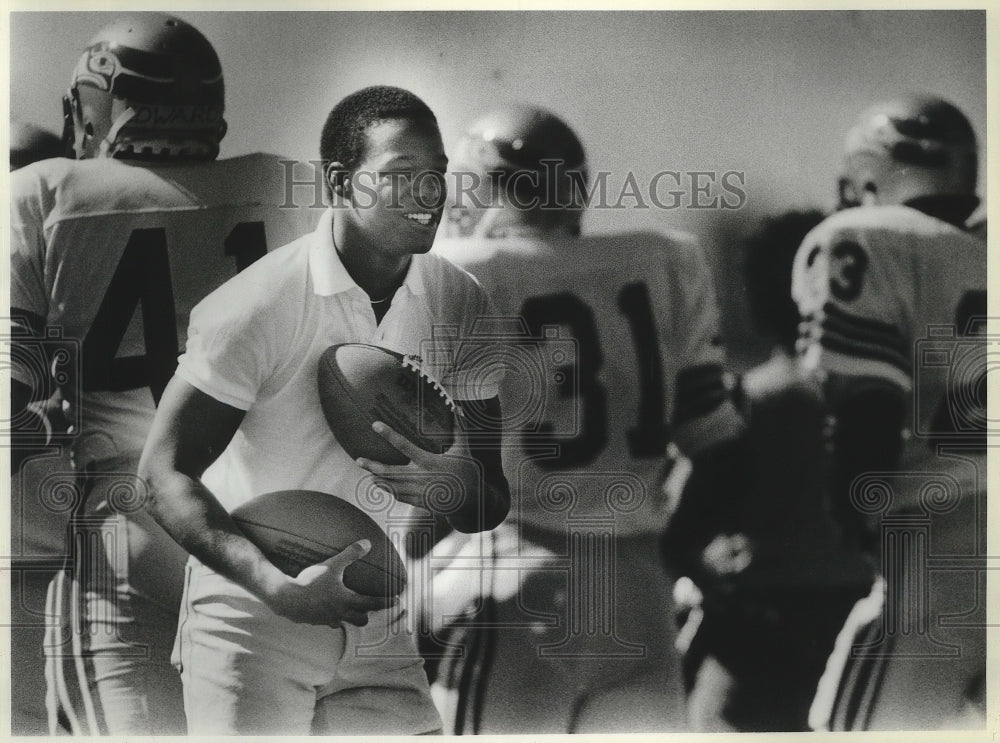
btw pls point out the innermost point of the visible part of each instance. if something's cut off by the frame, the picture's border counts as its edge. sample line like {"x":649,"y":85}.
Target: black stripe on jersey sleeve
{"x":863,"y":328}
{"x":830,"y":326}
{"x":700,"y":390}
{"x":701,"y":376}
{"x":850,"y":347}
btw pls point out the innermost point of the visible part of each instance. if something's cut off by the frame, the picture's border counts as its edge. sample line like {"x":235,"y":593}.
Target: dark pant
{"x":756,"y":659}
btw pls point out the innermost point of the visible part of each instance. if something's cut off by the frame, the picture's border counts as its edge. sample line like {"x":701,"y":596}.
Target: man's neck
{"x":378,"y":275}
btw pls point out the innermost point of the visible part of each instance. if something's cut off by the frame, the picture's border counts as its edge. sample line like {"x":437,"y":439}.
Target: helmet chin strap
{"x":109,"y":139}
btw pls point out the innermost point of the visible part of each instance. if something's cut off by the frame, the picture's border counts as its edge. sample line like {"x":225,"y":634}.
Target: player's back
{"x":889,"y":292}
{"x":115,"y":256}
{"x":610,"y":323}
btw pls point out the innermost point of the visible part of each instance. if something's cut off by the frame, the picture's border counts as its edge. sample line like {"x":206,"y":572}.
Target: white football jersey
{"x":113,"y":257}
{"x":892,"y":293}
{"x":613,"y":354}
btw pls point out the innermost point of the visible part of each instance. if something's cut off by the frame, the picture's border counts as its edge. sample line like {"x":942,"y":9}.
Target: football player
{"x":776,"y":584}
{"x":30,"y":576}
{"x":30,"y":143}
{"x":262,"y":652}
{"x":892,"y":291}
{"x":614,"y":361}
{"x":109,"y":253}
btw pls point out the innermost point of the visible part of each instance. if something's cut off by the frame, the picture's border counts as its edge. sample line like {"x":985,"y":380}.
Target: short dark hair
{"x":767,"y":272}
{"x":344,"y":136}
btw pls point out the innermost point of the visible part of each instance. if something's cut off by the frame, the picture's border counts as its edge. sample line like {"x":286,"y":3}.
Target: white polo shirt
{"x":255,"y":344}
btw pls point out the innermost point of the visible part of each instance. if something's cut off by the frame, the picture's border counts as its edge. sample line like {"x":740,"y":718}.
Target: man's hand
{"x":727,"y":555}
{"x":456,"y":468}
{"x":318,"y":594}
{"x":471,"y":491}
{"x":188,"y":432}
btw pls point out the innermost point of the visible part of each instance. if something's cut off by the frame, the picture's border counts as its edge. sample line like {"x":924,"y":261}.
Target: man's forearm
{"x":195,"y":519}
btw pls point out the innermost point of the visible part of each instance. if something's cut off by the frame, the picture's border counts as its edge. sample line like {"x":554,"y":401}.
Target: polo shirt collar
{"x":328,"y":274}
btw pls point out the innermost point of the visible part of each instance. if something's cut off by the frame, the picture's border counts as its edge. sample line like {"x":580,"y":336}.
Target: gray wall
{"x":766,"y":93}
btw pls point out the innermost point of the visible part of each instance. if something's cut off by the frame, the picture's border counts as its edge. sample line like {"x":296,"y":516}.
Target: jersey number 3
{"x":143,"y":276}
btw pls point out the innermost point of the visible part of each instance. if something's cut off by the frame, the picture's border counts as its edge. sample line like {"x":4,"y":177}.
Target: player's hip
{"x":214,"y":605}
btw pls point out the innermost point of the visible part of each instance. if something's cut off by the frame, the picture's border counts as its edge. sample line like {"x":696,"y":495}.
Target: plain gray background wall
{"x":767,"y":93}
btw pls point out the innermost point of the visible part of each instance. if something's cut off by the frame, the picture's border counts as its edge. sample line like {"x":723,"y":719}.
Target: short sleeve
{"x":27,"y":245}
{"x":852,"y":309}
{"x":704,"y":414}
{"x":28,"y":294}
{"x":700,"y":313}
{"x":230,"y":345}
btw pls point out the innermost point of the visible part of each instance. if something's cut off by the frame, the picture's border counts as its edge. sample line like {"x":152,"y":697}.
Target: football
{"x":360,"y":384}
{"x":298,"y":528}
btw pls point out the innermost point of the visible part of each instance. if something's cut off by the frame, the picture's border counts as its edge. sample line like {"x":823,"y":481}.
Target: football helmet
{"x":147,"y":87}
{"x":30,"y":143}
{"x":523,"y":157}
{"x":907,"y":149}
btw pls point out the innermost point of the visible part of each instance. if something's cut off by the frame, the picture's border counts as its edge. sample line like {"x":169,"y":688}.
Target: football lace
{"x":413,"y":363}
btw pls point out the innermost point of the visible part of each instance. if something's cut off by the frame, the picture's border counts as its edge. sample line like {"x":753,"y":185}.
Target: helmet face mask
{"x":91,"y":115}
{"x":909,"y":149}
{"x":148,"y":87}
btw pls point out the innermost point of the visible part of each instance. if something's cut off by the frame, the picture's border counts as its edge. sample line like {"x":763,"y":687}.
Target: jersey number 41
{"x":143,"y":276}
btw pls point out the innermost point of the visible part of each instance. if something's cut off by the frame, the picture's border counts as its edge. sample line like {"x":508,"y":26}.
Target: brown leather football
{"x":360,"y":384}
{"x":299,"y":528}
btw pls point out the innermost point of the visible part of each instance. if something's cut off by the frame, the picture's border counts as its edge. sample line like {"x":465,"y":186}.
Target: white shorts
{"x":247,"y":670}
